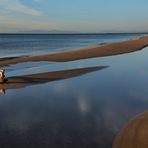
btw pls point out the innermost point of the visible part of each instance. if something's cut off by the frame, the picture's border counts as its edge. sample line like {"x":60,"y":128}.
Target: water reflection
{"x":53,"y":120}
{"x":2,"y":91}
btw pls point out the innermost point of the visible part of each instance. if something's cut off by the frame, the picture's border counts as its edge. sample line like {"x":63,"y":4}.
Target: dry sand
{"x":95,"y":51}
{"x":134,"y":134}
{"x":27,"y":80}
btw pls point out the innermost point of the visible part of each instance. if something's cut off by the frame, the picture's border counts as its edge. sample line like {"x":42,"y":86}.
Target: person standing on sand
{"x":2,"y":77}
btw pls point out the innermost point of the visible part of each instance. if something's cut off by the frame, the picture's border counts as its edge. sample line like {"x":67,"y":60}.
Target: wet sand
{"x":134,"y":134}
{"x":27,"y":80}
{"x":90,"y":52}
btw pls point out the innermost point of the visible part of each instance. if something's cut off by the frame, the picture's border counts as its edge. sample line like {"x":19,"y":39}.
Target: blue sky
{"x":74,"y":15}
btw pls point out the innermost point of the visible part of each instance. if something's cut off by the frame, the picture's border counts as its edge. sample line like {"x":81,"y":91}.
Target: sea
{"x":83,"y":111}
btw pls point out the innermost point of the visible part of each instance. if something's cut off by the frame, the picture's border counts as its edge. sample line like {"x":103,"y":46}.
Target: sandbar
{"x":85,"y":53}
{"x":34,"y":79}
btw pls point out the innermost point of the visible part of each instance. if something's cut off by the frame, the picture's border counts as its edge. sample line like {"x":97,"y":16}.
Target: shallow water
{"x":85,"y":111}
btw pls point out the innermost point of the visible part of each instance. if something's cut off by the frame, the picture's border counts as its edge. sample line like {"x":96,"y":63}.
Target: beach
{"x":73,"y":74}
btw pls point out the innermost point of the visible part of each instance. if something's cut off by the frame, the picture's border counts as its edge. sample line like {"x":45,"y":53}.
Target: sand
{"x":134,"y":134}
{"x":90,"y":52}
{"x":34,"y":79}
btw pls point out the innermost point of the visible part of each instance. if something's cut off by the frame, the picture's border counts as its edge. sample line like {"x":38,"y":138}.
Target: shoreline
{"x":116,"y":48}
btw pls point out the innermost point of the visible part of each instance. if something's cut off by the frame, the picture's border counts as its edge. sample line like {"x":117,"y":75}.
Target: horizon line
{"x":73,"y":32}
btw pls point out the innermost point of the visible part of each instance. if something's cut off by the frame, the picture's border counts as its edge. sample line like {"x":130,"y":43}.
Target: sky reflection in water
{"x":85,"y":111}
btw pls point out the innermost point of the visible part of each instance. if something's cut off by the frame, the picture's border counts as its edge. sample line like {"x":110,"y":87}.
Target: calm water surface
{"x":85,"y":111}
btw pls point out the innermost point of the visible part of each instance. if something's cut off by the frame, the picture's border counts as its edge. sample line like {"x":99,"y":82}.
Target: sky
{"x":74,"y":15}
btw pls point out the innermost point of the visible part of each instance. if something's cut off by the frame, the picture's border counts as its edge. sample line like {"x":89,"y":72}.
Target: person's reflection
{"x":134,"y":134}
{"x":2,"y":91}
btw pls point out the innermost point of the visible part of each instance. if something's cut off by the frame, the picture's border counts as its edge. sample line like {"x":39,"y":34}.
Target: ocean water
{"x":86,"y":111}
{"x":12,"y":45}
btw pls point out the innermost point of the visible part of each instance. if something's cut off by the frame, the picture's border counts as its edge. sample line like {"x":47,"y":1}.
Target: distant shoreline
{"x":70,"y":33}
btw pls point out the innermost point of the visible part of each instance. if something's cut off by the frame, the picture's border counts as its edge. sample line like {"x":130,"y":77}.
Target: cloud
{"x":17,"y":6}
{"x":40,"y":0}
{"x":84,"y":104}
{"x":13,"y":24}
